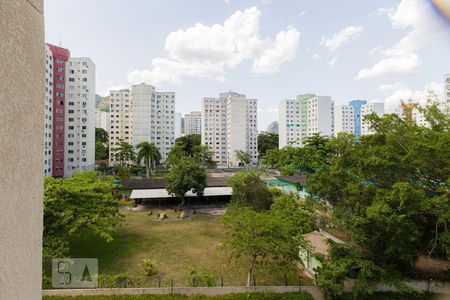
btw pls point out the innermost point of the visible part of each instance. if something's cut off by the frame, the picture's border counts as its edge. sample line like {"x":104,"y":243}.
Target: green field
{"x":176,"y":245}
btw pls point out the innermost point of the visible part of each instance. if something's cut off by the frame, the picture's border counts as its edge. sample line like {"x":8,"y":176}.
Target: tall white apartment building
{"x":290,"y":120}
{"x":344,"y":119}
{"x":153,"y":117}
{"x":120,"y":119}
{"x":368,"y":109}
{"x":79,"y":150}
{"x":320,"y":116}
{"x":102,"y":119}
{"x":214,"y":127}
{"x":177,"y":125}
{"x":229,"y":123}
{"x":48,"y":128}
{"x":193,"y":123}
{"x":242,"y":130}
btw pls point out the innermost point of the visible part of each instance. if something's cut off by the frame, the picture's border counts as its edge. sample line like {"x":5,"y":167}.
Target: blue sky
{"x":383,"y":50}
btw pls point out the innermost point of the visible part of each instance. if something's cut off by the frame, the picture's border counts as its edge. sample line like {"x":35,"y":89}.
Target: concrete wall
{"x":22,"y":77}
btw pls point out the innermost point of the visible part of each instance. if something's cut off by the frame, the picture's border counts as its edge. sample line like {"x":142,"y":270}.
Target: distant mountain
{"x":273,"y":127}
{"x":102,"y":103}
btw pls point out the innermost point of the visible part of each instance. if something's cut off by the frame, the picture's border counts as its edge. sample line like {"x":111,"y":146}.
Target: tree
{"x":101,"y":135}
{"x":124,"y":153}
{"x":266,"y":142}
{"x":150,"y":154}
{"x":101,"y":144}
{"x":391,"y":190}
{"x":189,"y":143}
{"x":85,"y":203}
{"x":243,"y":157}
{"x":251,"y":235}
{"x":189,"y":146}
{"x":248,"y":188}
{"x":187,"y":174}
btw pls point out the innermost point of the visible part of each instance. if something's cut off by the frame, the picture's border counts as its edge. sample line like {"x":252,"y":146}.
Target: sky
{"x":379,"y":50}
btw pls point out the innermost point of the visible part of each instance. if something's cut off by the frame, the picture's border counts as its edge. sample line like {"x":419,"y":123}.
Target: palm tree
{"x":150,"y":153}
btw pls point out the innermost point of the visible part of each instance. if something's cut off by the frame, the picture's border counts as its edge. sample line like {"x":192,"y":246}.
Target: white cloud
{"x":375,"y":50}
{"x":400,"y":65}
{"x":396,"y":92}
{"x":302,"y":13}
{"x":112,"y":86}
{"x":332,"y":61}
{"x":210,"y":51}
{"x":345,"y":35}
{"x":402,"y":57}
{"x":276,"y":53}
{"x":316,"y":56}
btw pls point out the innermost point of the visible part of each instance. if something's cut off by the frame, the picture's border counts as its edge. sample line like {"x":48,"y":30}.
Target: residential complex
{"x":153,"y":117}
{"x":306,"y":115}
{"x":357,"y":104}
{"x":230,"y":124}
{"x":193,"y":123}
{"x":102,"y":119}
{"x":48,"y":126}
{"x":367,"y":109}
{"x":320,"y":116}
{"x":290,"y":126}
{"x":57,"y":105}
{"x":79,"y":146}
{"x":344,"y":119}
{"x":120,"y":119}
{"x":178,"y":125}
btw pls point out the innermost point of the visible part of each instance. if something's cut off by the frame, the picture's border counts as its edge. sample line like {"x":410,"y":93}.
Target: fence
{"x":207,"y":291}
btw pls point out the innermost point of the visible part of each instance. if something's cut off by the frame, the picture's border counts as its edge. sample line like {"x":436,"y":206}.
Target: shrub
{"x":150,"y":267}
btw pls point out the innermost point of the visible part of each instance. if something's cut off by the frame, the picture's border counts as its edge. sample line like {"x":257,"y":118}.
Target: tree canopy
{"x":84,"y":203}
{"x":101,"y":144}
{"x":124,"y":153}
{"x":267,"y":141}
{"x":390,"y":191}
{"x":248,"y":188}
{"x":243,"y":157}
{"x":184,"y":175}
{"x":257,"y":237}
{"x":150,"y":154}
{"x":190,"y":146}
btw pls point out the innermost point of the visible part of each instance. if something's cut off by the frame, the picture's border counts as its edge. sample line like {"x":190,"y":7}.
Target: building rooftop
{"x":161,"y":183}
{"x":294,"y":179}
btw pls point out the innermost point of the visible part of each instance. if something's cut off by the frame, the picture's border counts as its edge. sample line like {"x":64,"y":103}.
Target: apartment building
{"x":356,"y":104}
{"x":368,"y":109}
{"x":320,"y":116}
{"x":153,"y":117}
{"x":48,"y":123}
{"x":344,"y":117}
{"x":242,"y":130}
{"x":308,"y":114}
{"x":79,"y":146}
{"x":102,"y":119}
{"x":193,"y":123}
{"x":57,"y":94}
{"x":178,"y":125}
{"x":290,"y":120}
{"x":120,"y":119}
{"x":230,"y":124}
{"x":214,"y":127}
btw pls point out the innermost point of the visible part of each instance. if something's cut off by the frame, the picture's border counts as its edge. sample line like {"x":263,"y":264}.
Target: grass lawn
{"x":176,"y":246}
